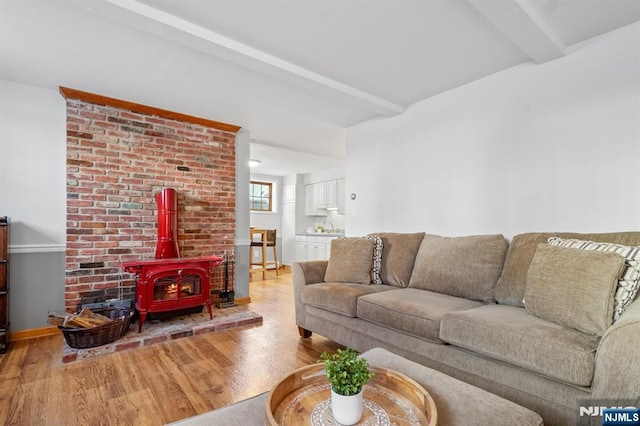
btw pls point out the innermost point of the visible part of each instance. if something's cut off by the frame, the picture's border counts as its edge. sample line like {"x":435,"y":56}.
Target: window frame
{"x":252,"y":197}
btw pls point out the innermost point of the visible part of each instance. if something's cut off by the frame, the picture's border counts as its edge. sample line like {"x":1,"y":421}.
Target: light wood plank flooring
{"x":162,"y":383}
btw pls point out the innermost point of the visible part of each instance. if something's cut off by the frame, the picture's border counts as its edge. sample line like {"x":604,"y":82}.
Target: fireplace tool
{"x":227,"y":297}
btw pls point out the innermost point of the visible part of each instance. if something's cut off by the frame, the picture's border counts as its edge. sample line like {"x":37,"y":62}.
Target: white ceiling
{"x":294,"y":73}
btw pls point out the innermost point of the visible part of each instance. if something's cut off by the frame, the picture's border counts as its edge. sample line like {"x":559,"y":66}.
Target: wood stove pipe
{"x":167,"y":245}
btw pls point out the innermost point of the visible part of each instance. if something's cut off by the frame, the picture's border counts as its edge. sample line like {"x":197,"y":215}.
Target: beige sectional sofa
{"x":531,"y":320}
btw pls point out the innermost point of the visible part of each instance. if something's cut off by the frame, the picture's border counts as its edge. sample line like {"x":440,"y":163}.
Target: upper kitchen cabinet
{"x":322,"y":196}
{"x":341,"y":196}
{"x":316,"y":195}
{"x":330,"y":194}
{"x":312,"y":195}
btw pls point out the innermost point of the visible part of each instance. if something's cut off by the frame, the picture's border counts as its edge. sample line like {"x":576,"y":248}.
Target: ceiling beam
{"x":517,"y":20}
{"x":178,"y":30}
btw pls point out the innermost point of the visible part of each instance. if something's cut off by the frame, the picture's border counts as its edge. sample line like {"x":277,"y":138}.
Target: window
{"x":260,"y":198}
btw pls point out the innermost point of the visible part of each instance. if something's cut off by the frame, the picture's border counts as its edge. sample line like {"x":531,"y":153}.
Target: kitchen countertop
{"x":321,"y":234}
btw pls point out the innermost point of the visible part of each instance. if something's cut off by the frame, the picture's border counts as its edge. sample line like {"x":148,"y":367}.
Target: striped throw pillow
{"x":629,"y":282}
{"x":377,"y":259}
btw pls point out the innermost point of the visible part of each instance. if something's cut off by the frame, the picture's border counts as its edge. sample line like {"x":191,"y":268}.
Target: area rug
{"x":165,"y":330}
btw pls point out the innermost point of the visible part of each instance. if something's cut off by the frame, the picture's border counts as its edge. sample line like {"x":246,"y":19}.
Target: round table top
{"x":304,"y":397}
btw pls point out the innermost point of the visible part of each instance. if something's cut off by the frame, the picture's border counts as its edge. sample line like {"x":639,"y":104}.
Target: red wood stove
{"x":169,"y":282}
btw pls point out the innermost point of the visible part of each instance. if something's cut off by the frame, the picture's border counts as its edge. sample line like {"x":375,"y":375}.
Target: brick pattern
{"x":116,"y":162}
{"x":161,"y":333}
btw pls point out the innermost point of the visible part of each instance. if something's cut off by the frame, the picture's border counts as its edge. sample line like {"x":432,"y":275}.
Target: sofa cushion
{"x":573,"y":287}
{"x":513,"y":335}
{"x":398,"y":256}
{"x":629,"y":282}
{"x":466,"y":267}
{"x":512,"y":282}
{"x":336,"y":297}
{"x":351,"y":260}
{"x":412,"y":311}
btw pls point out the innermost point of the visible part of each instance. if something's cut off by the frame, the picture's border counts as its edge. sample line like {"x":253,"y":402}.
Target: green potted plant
{"x":347,"y":374}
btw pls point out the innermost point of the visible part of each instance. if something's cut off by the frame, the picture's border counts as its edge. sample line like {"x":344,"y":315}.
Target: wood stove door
{"x":179,"y":289}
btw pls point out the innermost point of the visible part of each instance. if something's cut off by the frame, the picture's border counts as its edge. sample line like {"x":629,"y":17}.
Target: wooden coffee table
{"x":304,"y":397}
{"x":459,"y":403}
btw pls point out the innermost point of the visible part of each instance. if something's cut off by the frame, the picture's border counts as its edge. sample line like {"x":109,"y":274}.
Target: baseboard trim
{"x":51,"y":330}
{"x":33,"y":333}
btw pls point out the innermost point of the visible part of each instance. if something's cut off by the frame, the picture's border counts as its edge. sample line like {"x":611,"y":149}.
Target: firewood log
{"x":75,"y":321}
{"x":56,"y":318}
{"x":84,"y":319}
{"x":98,"y":319}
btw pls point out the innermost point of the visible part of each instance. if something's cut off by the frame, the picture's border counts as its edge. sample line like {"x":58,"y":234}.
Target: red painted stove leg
{"x":208,"y":303}
{"x":141,"y":319}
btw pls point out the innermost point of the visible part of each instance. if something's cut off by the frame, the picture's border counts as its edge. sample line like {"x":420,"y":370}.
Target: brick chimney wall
{"x":116,"y":161}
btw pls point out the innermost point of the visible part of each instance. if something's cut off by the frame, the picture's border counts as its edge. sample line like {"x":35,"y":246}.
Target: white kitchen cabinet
{"x":301,"y":248}
{"x":316,"y":248}
{"x":330,"y":194}
{"x":322,"y":196}
{"x":313,"y":247}
{"x":310,"y":206}
{"x":341,"y":196}
{"x":316,"y":194}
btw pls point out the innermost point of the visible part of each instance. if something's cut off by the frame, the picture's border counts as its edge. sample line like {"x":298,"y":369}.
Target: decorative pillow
{"x":398,"y":256}
{"x":572,"y":287}
{"x":377,"y":259}
{"x":350,"y":261}
{"x":512,"y":283}
{"x":629,"y":282}
{"x":466,"y":267}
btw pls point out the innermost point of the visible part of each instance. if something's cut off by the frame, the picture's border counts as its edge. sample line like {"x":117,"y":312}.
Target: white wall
{"x":32,"y":171}
{"x":537,"y":147}
{"x":33,"y":194}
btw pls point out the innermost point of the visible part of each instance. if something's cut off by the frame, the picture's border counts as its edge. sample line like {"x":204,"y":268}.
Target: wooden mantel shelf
{"x":144,"y":109}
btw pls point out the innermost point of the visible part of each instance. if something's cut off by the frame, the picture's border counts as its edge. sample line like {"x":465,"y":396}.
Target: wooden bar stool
{"x":267,"y":239}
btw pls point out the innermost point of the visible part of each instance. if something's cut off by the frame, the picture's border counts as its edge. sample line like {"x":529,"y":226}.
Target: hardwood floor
{"x":162,"y":383}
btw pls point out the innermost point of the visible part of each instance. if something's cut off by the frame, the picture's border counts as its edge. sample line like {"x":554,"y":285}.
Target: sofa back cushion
{"x":466,"y":267}
{"x":351,"y":260}
{"x":398,"y":256}
{"x":573,"y":287}
{"x":511,"y":286}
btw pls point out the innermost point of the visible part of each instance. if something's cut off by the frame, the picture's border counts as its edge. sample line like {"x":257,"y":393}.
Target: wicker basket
{"x":82,"y":338}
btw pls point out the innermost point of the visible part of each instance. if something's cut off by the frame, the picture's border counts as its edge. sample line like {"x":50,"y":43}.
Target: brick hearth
{"x":168,"y":329}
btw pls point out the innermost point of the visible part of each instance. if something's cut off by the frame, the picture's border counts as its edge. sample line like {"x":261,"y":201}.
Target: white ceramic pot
{"x":346,"y":410}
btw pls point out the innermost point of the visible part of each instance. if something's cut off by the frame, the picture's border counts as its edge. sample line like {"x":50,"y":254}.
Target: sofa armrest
{"x":303,"y":274}
{"x":617,"y":375}
{"x":310,"y":272}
